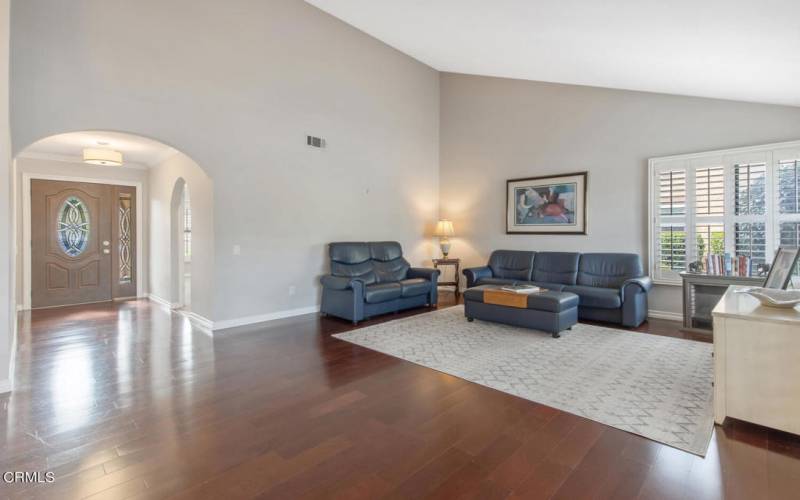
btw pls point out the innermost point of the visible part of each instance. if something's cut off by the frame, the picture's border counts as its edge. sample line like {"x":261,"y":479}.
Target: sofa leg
{"x":556,"y":335}
{"x":355,"y":322}
{"x":470,"y":319}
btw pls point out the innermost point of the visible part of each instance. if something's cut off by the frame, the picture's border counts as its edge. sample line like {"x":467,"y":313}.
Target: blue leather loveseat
{"x":371,"y":278}
{"x":610,"y":287}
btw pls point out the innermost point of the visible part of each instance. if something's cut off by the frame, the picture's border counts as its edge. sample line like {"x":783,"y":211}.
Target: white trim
{"x":739,"y":150}
{"x":20,"y":307}
{"x":31,"y":155}
{"x":201,"y":321}
{"x":262,"y":318}
{"x":8,"y":384}
{"x":162,"y":301}
{"x":652,"y":313}
{"x":26,"y":226}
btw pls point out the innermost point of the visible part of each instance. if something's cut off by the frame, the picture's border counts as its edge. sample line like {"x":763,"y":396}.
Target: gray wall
{"x":237,"y":85}
{"x":494,"y":129}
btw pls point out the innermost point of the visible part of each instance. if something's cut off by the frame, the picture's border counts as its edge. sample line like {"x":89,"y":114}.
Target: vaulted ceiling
{"x":746,"y":50}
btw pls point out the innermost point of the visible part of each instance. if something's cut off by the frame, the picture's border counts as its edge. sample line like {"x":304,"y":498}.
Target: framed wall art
{"x":554,"y":204}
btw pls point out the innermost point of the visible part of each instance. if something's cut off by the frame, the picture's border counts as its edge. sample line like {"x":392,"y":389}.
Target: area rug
{"x":653,"y":386}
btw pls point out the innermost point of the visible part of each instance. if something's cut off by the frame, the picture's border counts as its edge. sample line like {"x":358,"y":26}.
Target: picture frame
{"x":780,"y":273}
{"x":552,"y":204}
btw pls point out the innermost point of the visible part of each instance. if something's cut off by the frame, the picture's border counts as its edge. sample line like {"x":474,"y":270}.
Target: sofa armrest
{"x":424,"y":272}
{"x":635,"y":285}
{"x":473,"y":274}
{"x":342,"y":283}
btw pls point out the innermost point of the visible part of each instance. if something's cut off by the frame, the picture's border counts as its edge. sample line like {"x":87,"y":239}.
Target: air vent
{"x":315,"y":142}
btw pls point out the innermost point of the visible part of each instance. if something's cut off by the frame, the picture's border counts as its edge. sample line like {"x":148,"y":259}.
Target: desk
{"x":756,"y":367}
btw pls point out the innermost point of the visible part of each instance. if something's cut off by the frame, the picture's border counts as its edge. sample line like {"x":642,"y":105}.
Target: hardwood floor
{"x":127,"y":400}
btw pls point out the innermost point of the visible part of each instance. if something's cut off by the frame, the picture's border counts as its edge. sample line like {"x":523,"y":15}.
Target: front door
{"x":79,"y":231}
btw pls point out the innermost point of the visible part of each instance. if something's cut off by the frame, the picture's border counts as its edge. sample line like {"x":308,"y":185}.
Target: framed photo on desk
{"x":780,"y":274}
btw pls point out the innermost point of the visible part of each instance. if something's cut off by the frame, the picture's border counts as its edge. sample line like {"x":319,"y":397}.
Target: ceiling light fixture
{"x":102,"y":157}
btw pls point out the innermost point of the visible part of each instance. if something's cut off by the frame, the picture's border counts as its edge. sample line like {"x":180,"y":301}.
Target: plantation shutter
{"x":670,"y":235}
{"x":787,"y":164}
{"x":709,"y":208}
{"x":750,"y":204}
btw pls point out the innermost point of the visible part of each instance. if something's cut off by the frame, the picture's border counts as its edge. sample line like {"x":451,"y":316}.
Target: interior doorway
{"x":185,"y":237}
{"x":82,"y":242}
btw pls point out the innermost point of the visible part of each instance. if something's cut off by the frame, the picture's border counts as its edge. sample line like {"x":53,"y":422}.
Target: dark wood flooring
{"x":129,"y":401}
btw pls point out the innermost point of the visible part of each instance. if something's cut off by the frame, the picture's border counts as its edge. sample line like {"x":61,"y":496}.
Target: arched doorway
{"x":181,"y":245}
{"x":102,"y":196}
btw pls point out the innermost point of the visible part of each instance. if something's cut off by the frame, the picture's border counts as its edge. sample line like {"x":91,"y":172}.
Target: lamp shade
{"x":102,"y":157}
{"x":444,"y":229}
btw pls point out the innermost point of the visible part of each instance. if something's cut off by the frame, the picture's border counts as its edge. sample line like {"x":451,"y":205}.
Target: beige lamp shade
{"x":102,"y":157}
{"x":444,"y":229}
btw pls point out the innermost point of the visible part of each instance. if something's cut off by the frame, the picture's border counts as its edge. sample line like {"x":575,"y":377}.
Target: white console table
{"x":756,"y":362}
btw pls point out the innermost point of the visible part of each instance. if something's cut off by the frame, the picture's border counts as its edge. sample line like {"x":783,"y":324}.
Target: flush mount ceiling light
{"x":102,"y":157}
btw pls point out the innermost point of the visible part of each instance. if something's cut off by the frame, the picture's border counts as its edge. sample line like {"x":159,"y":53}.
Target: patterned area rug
{"x":657,"y":387}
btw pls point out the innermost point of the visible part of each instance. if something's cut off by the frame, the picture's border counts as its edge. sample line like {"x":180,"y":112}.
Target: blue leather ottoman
{"x":549,"y":311}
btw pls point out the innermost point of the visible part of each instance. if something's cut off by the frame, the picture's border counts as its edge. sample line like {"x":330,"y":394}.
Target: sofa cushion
{"x":512,"y":264}
{"x":388,"y":261}
{"x":381,"y":292}
{"x":385,"y":251}
{"x":352,"y":260}
{"x":556,"y":267}
{"x":412,"y":287}
{"x":590,"y":296}
{"x":608,"y":270}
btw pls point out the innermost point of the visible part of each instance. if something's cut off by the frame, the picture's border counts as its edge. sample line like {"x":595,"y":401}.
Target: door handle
{"x":106,"y":243}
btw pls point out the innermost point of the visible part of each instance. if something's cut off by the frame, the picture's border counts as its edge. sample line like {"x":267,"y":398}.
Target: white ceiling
{"x":136,"y":150}
{"x":746,"y":50}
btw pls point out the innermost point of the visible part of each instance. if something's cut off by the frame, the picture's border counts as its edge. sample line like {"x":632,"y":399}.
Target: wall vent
{"x":315,"y":142}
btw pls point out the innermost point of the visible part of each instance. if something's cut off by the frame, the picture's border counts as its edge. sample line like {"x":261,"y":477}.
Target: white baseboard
{"x":215,"y":326}
{"x":6,"y":386}
{"x":201,"y":321}
{"x":162,"y":301}
{"x":262,"y":318}
{"x":665,"y":315}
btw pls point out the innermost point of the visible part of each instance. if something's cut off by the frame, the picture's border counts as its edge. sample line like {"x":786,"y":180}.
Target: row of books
{"x":736,"y":265}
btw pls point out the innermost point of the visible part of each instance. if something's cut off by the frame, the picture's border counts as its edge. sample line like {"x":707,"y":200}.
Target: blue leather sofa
{"x":610,"y":287}
{"x":371,"y":278}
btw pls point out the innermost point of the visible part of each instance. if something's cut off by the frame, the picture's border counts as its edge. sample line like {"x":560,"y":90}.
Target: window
{"x":125,"y":264}
{"x":736,"y":203}
{"x":789,"y":206}
{"x":73,"y":226}
{"x":789,"y":187}
{"x":187,"y":228}
{"x":710,"y":191}
{"x":673,"y":192}
{"x":750,"y":182}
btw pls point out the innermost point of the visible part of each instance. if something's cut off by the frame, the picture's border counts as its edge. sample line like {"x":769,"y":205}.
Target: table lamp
{"x":444,"y":229}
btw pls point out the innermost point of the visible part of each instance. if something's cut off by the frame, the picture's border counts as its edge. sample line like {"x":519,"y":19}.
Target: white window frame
{"x":770,"y":154}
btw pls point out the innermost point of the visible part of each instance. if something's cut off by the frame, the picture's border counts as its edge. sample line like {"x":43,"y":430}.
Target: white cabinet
{"x":756,"y":363}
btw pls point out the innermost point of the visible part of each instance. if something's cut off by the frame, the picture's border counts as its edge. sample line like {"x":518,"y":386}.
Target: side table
{"x":456,"y":263}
